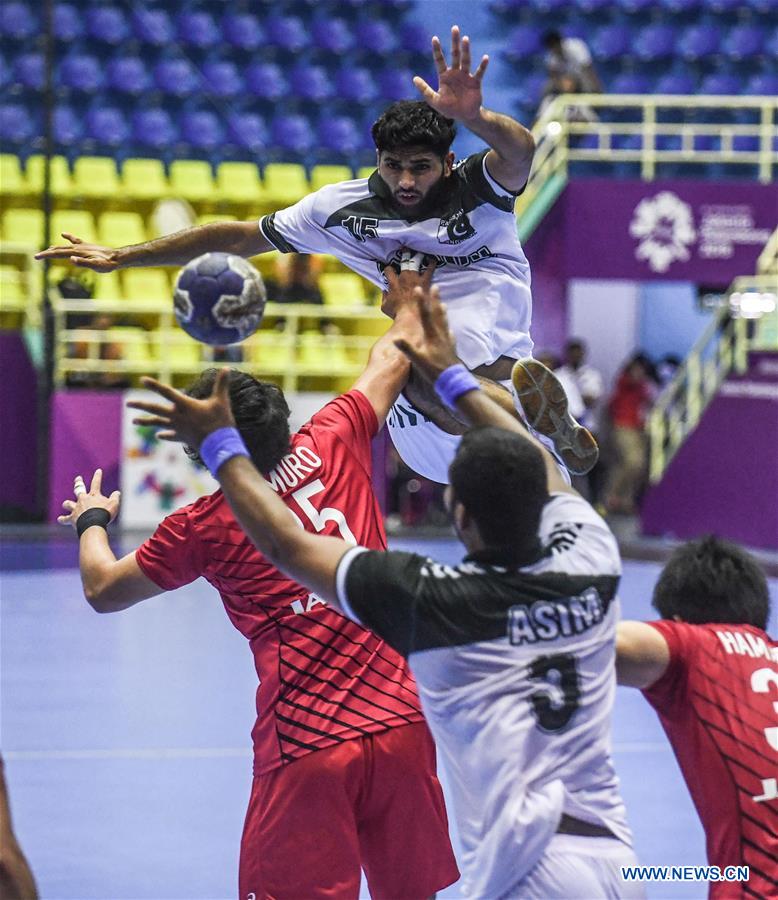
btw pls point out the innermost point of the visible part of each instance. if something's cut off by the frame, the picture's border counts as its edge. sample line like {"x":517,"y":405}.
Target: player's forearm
{"x":239,"y":238}
{"x":511,"y":141}
{"x":97,"y":562}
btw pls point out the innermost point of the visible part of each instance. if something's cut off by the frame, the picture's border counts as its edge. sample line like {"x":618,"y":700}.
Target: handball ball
{"x":219,"y":298}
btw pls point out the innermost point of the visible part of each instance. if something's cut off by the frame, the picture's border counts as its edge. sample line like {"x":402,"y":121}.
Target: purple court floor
{"x":126,"y":738}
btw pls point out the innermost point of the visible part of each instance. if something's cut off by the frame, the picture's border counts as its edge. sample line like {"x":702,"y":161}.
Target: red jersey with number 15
{"x":718,"y":704}
{"x":323,"y":678}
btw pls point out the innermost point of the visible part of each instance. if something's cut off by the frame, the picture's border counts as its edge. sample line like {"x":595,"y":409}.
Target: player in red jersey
{"x":711,"y":672}
{"x":344,"y":766}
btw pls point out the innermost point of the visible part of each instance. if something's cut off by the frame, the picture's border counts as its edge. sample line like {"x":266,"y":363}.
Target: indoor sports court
{"x":648,"y":219}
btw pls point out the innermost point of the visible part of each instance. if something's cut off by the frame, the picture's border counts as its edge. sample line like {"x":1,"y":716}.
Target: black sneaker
{"x":544,"y":403}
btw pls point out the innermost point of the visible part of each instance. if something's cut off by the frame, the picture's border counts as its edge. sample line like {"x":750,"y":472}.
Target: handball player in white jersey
{"x":513,"y":650}
{"x":459,"y":215}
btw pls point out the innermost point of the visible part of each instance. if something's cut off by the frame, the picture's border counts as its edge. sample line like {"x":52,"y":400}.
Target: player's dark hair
{"x":261,"y":415}
{"x":412,"y":123}
{"x":552,"y":39}
{"x":500,"y":479}
{"x":713,"y":580}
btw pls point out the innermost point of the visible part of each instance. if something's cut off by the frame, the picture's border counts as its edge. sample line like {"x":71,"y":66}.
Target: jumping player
{"x":710,"y":671}
{"x":513,"y":649}
{"x":461,"y":216}
{"x":344,"y":766}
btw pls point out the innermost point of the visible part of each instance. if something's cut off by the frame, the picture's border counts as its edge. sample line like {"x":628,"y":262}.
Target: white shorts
{"x":580,"y":868}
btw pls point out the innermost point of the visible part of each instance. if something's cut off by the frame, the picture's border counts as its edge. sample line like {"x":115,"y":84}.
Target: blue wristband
{"x":221,"y":445}
{"x":453,"y":382}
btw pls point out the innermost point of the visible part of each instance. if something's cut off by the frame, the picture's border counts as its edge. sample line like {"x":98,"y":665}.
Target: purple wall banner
{"x":706,"y":232}
{"x":724,"y":479}
{"x":18,"y":413}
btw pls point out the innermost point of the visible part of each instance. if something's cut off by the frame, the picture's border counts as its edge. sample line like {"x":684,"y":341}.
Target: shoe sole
{"x":544,"y":403}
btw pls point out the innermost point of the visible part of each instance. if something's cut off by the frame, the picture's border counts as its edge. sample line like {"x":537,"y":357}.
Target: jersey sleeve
{"x":476,"y":175}
{"x":351,"y":418}
{"x":172,"y":556}
{"x":668,"y":693}
{"x":297,"y":229}
{"x":379,"y":590}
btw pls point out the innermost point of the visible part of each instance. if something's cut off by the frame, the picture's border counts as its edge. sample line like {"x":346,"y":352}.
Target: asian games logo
{"x":664,"y":227}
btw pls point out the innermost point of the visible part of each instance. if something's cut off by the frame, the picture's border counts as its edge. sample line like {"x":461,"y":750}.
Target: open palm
{"x":459,"y":94}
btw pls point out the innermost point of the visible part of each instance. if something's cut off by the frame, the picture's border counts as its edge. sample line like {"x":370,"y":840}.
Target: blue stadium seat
{"x":375,"y":37}
{"x":152,"y":26}
{"x":196,"y":28}
{"x":266,"y":81}
{"x":675,"y":83}
{"x":744,"y":42}
{"x":771,"y":44}
{"x":128,"y":75}
{"x":16,"y":124}
{"x":743,"y":143}
{"x":655,"y":43}
{"x":202,"y":130}
{"x":153,"y":128}
{"x":18,"y":21}
{"x":310,"y":82}
{"x":415,"y":39}
{"x":68,"y":22}
{"x":721,"y":83}
{"x":68,"y":125}
{"x":356,"y":84}
{"x":764,"y":83}
{"x":107,"y":24}
{"x":699,"y":41}
{"x":630,"y":83}
{"x":287,"y":32}
{"x":291,"y":134}
{"x":729,"y":7}
{"x":30,"y":70}
{"x":339,"y":134}
{"x":248,"y":131}
{"x":5,"y":72}
{"x":332,"y":35}
{"x":523,"y":42}
{"x":552,"y":8}
{"x":638,"y":7}
{"x":221,"y":78}
{"x":593,"y":8}
{"x":176,"y":77}
{"x":530,"y":90}
{"x":81,"y":72}
{"x":396,"y":84}
{"x":107,"y":126}
{"x":611,"y":42}
{"x":242,"y":31}
{"x":682,"y":8}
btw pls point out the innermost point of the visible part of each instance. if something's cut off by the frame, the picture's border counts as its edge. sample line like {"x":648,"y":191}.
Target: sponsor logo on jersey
{"x":361,"y":227}
{"x":455,"y":228}
{"x":462,"y":262}
{"x":548,"y":620}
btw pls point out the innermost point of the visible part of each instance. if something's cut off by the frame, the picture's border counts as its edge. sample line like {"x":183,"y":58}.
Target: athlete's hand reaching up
{"x":88,"y":256}
{"x":400,"y":296}
{"x":88,"y":499}
{"x":459,"y":94}
{"x":434,"y":349}
{"x":186,"y":420}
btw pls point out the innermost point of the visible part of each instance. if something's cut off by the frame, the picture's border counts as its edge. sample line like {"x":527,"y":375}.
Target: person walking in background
{"x":628,"y":408}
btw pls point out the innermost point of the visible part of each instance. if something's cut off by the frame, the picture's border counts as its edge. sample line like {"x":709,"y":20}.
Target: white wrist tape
{"x":410,"y":261}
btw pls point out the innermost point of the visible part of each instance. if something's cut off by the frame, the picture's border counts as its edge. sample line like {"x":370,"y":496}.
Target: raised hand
{"x":91,"y":499}
{"x":434,"y":349}
{"x":401,"y":285}
{"x":88,"y":256}
{"x":459,"y":94}
{"x":186,"y":420}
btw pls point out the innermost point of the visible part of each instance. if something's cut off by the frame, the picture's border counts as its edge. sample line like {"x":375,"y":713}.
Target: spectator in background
{"x":296,"y":282}
{"x":628,"y":407}
{"x":569,"y":57}
{"x":575,"y":403}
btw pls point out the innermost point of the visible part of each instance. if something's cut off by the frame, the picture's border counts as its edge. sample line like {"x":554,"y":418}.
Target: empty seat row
{"x":596,"y":9}
{"x":146,"y":180}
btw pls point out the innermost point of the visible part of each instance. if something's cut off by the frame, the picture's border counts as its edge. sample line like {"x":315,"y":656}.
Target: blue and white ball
{"x":219,"y":298}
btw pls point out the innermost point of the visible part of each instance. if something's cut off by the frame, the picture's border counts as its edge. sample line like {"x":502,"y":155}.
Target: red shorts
{"x":373,"y":802}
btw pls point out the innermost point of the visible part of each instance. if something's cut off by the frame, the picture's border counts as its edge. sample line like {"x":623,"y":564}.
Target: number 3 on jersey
{"x":555,"y":703}
{"x":319,"y":517}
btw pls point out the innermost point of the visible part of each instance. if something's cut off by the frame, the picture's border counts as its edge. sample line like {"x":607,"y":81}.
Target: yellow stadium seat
{"x":96,"y":176}
{"x":117,"y":229}
{"x":13,"y":295}
{"x":192,"y":179}
{"x":177,"y":349}
{"x":23,"y":226}
{"x":285,"y":183}
{"x":12,"y":180}
{"x":148,"y":287}
{"x":320,"y":353}
{"x":134,"y":343}
{"x":321,"y":175}
{"x":269,"y":351}
{"x":144,"y":179}
{"x":365,"y":171}
{"x":341,"y":289}
{"x":108,"y":286}
{"x":239,"y":182}
{"x":61,"y":180}
{"x":79,"y":222}
{"x":214,"y":217}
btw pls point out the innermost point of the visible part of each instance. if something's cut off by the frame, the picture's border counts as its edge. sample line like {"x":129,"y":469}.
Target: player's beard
{"x":429,"y":203}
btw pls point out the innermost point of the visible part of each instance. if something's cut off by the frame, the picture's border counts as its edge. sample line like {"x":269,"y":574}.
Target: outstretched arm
{"x":459,"y":96}
{"x":642,"y":654}
{"x":238,"y":238}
